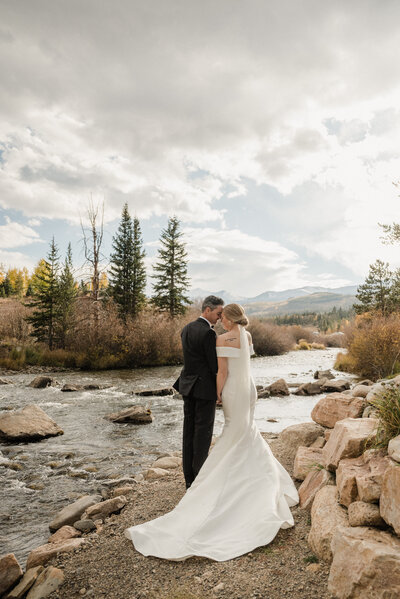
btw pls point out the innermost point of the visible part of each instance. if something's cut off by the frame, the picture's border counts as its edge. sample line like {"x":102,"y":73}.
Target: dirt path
{"x":108,"y":565}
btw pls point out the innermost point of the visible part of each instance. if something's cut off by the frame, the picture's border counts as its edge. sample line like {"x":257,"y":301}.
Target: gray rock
{"x":340,"y":385}
{"x":155,"y":392}
{"x":29,"y":424}
{"x":40,"y":382}
{"x":279,"y":387}
{"x":132,"y":415}
{"x":313,"y":388}
{"x":85,"y":525}
{"x":5,"y":382}
{"x":394,"y":448}
{"x":323,"y":374}
{"x":72,"y":513}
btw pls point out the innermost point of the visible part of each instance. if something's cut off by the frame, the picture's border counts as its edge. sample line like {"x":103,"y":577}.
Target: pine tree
{"x":19,"y":285}
{"x":374,"y":294}
{"x":171,"y":279}
{"x":127,"y":271}
{"x":46,"y":299}
{"x":66,"y":296}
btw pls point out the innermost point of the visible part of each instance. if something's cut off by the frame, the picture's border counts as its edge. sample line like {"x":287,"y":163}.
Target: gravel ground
{"x":108,"y":565}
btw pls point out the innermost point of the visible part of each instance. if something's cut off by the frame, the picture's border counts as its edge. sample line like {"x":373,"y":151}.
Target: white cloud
{"x":14,"y":235}
{"x":168,"y":105}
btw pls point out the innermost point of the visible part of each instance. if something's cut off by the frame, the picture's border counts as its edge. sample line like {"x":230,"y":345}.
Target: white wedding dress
{"x":241,"y":496}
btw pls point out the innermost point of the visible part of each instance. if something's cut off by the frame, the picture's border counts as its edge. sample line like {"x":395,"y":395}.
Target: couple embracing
{"x":238,"y":496}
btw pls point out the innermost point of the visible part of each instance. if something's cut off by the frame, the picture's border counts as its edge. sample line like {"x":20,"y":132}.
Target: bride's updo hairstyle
{"x":236,"y":314}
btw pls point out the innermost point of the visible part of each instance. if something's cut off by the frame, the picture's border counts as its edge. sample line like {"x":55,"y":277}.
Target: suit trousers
{"x":198,"y":424}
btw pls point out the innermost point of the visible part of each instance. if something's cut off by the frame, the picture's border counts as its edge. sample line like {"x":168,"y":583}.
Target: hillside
{"x":315,"y":302}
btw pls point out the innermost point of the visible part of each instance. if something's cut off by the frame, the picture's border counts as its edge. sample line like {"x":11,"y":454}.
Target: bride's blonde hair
{"x":236,"y":314}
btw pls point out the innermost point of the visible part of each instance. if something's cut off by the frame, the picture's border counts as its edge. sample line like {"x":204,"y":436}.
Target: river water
{"x":54,"y":472}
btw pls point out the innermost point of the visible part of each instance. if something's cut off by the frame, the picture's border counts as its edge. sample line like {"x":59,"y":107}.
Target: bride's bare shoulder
{"x":221,"y":340}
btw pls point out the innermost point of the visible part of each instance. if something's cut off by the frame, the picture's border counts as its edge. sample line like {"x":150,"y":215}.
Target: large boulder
{"x":326,"y":516}
{"x":390,"y":497}
{"x":132,"y":415}
{"x":72,"y":512}
{"x":46,"y":583}
{"x":339,"y":386}
{"x":360,"y":390}
{"x":42,"y":554}
{"x":366,"y":563}
{"x":306,"y":460}
{"x":27,"y":424}
{"x":375,"y":390}
{"x":313,"y":482}
{"x":104,"y":508}
{"x":348,"y":440}
{"x":337,"y":406}
{"x":25,"y":583}
{"x":41,"y":382}
{"x":360,"y":479}
{"x":313,"y":388}
{"x":394,"y":448}
{"x":365,"y":514}
{"x":10,"y":572}
{"x":279,"y":387}
{"x":300,"y":434}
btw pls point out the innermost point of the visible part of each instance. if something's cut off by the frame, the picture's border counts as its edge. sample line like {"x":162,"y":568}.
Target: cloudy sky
{"x":270,"y":128}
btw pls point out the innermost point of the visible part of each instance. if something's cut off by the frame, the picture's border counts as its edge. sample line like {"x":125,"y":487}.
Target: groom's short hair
{"x":211,"y":301}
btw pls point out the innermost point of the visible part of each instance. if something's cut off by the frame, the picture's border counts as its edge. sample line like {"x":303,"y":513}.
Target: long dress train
{"x":242,"y":494}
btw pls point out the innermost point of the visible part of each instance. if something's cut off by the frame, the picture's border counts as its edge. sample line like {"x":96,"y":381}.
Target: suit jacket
{"x":200,"y":365}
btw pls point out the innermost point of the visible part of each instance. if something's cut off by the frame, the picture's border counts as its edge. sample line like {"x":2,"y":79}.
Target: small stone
{"x":167,"y":463}
{"x":219,"y":587}
{"x":63,"y":533}
{"x":313,"y":568}
{"x":82,"y":591}
{"x":155,"y":473}
{"x":85,"y":525}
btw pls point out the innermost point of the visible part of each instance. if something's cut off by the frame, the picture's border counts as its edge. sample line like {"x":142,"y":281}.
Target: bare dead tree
{"x":92,"y":240}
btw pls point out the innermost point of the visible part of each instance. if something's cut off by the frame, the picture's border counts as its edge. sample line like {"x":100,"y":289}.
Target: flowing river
{"x":54,"y":472}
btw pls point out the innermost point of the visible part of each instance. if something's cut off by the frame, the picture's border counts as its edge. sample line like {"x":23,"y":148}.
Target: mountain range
{"x":289,"y":301}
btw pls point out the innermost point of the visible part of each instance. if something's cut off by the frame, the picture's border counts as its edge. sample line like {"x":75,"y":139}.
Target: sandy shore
{"x":108,"y":565}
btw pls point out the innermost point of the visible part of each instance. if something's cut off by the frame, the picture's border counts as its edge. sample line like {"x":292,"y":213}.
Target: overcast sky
{"x":270,"y":128}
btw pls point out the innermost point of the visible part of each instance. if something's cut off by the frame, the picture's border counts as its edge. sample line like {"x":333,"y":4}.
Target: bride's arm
{"x":221,"y":377}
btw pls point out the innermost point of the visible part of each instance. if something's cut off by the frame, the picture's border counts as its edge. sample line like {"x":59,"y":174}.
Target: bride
{"x":241,"y":496}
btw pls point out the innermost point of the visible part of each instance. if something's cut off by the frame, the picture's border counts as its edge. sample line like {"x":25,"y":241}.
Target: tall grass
{"x":387,"y":406}
{"x":270,"y":339}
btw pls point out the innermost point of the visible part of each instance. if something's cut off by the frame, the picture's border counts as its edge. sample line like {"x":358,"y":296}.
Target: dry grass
{"x":374,"y":346}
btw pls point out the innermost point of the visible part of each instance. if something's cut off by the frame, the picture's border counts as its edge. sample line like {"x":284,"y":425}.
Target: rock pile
{"x":352,"y":492}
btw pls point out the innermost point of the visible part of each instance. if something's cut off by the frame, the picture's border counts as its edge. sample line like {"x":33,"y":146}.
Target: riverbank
{"x":107,"y":565}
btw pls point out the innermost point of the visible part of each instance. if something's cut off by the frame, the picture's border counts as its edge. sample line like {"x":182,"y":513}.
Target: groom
{"x":197,"y":385}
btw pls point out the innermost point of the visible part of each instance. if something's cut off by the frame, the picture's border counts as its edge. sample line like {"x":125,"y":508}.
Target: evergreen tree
{"x":374,"y":294}
{"x":46,"y":299}
{"x":127,"y":270}
{"x":171,"y":279}
{"x":6,"y":288}
{"x":66,"y":295}
{"x":19,"y":285}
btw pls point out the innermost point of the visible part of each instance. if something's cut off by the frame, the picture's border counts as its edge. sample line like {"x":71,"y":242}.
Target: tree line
{"x":52,"y":289}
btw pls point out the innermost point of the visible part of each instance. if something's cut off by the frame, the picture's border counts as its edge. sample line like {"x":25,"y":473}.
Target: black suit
{"x":197,"y":384}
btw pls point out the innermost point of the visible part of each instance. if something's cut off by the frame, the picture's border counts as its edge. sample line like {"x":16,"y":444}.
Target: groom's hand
{"x":219,"y":400}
